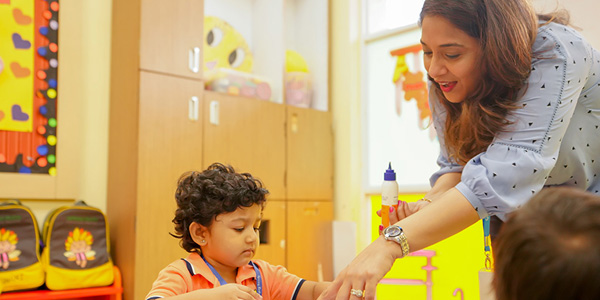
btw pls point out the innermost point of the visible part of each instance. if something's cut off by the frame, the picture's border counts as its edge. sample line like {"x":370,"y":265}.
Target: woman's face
{"x":452,"y":58}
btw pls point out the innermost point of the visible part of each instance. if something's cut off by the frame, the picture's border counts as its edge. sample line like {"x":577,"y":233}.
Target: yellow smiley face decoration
{"x":224,"y":47}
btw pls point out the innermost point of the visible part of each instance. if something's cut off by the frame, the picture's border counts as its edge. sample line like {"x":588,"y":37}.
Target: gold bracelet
{"x":425,"y":199}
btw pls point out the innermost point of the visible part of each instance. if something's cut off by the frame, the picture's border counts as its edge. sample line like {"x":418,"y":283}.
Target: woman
{"x":516,"y":105}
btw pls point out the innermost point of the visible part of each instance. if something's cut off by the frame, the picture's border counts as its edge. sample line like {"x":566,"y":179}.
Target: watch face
{"x":393,"y":231}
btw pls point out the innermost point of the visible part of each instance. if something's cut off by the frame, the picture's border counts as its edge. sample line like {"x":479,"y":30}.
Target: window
{"x":397,"y":125}
{"x":386,"y":15}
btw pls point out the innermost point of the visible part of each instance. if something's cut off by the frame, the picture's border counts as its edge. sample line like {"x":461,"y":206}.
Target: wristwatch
{"x":396,"y":234}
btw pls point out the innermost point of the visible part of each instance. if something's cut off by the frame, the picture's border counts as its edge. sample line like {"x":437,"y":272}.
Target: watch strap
{"x":401,"y":240}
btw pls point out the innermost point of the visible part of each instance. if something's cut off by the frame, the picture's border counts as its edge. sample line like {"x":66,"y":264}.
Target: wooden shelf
{"x":112,"y":292}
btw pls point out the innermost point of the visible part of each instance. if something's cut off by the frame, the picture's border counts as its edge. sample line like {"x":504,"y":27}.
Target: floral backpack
{"x":20,"y":267}
{"x":76,"y":253}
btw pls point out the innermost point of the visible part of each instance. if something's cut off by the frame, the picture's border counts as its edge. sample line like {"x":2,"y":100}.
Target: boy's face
{"x":232,"y":239}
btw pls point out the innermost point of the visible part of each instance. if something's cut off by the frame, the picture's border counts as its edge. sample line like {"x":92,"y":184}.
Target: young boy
{"x":550,"y":248}
{"x":217,"y":219}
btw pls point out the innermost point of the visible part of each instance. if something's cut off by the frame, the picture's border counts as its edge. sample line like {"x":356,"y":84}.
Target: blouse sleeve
{"x":517,"y":163}
{"x":446,"y":166}
{"x":439,"y":118}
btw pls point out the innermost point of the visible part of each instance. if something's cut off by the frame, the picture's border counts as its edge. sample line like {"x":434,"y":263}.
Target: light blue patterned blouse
{"x":554,"y":138}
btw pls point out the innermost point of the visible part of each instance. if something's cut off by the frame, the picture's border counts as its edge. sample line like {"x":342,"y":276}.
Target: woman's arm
{"x":443,"y":184}
{"x":448,"y":215}
{"x":311,"y":290}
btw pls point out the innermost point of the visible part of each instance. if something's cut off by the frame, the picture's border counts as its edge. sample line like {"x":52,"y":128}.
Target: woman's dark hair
{"x":202,"y":196}
{"x":550,"y":248}
{"x":506,"y":31}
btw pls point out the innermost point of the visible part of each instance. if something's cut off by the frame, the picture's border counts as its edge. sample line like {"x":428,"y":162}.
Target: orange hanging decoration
{"x":411,"y":84}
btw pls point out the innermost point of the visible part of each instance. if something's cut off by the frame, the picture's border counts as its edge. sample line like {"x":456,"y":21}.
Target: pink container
{"x":298,"y":89}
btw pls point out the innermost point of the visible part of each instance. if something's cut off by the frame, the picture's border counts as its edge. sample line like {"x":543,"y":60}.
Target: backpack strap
{"x":80,"y":203}
{"x":11,"y":202}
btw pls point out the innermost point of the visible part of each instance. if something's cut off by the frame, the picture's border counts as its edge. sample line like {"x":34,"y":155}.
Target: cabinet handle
{"x":194,"y":59}
{"x":311,"y":211}
{"x":214,"y":112}
{"x":193,"y":108}
{"x":294,"y":123}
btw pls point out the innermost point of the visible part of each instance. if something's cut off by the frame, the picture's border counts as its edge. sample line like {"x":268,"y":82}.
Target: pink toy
{"x":238,"y":83}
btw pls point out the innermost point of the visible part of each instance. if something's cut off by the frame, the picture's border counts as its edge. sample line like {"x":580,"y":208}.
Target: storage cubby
{"x":270,"y":27}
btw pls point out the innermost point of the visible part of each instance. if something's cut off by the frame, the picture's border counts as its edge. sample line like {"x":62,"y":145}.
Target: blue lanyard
{"x":486,"y":243}
{"x":223,"y":282}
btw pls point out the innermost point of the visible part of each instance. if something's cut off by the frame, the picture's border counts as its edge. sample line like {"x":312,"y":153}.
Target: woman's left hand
{"x":404,"y":210}
{"x":364,"y":272}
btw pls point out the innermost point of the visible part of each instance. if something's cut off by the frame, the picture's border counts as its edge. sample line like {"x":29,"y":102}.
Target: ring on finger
{"x":357,"y":293}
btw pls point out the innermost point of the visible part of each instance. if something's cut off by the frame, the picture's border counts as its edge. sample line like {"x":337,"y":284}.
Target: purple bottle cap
{"x":389,"y":174}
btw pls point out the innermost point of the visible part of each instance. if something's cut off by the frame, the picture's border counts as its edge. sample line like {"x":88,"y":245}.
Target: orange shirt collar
{"x":201,"y":268}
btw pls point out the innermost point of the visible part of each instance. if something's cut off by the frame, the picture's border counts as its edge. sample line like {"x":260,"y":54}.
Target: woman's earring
{"x":203,"y":241}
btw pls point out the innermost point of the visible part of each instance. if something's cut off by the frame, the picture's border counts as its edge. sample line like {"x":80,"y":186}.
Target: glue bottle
{"x":389,"y":195}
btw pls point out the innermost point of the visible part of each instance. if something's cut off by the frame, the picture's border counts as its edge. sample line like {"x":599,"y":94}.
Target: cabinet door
{"x":310,"y":154}
{"x":170,"y":143}
{"x":247,"y":134}
{"x":272,"y":233}
{"x":171,"y":37}
{"x":309,"y":240}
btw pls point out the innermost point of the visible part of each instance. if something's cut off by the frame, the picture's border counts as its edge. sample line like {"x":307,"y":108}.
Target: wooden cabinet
{"x":309,"y":252}
{"x":170,"y":143}
{"x":155,"y":132}
{"x":249,"y":134}
{"x":140,"y":199}
{"x":309,"y":154}
{"x":272,"y":246}
{"x":309,"y":211}
{"x":162,"y":123}
{"x":297,"y":234}
{"x":171,"y":37}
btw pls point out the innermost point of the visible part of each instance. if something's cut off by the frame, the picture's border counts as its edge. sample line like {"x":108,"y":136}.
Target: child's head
{"x":219,"y":209}
{"x":550,"y":248}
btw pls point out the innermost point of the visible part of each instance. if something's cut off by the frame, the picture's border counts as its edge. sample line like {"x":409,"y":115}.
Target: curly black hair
{"x":202,"y":196}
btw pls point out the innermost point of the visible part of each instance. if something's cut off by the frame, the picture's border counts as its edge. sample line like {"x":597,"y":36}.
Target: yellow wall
{"x":457,"y":261}
{"x":345,"y":82}
{"x":83,"y":73}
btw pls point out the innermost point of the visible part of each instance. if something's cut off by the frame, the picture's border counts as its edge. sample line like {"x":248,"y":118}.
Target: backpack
{"x":77,"y":248}
{"x":20,"y":266}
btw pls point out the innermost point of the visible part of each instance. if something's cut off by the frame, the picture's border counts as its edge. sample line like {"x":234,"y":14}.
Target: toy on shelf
{"x":298,"y":85}
{"x":225,"y":47}
{"x":239,"y":83}
{"x":228,"y":62}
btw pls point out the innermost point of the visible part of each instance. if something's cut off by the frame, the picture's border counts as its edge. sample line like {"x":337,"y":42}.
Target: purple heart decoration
{"x":18,"y":114}
{"x":19,"y":42}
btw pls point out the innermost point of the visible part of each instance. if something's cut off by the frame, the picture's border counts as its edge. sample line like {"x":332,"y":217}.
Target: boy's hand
{"x":234,"y":291}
